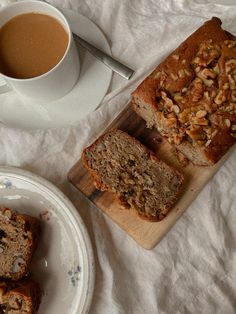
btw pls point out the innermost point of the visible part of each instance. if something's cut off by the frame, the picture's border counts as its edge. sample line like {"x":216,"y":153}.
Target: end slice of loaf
{"x":190,"y":98}
{"x":120,"y":164}
{"x":21,"y":297}
{"x":18,"y":241}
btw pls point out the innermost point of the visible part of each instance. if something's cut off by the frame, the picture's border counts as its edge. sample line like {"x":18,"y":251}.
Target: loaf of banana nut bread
{"x":190,"y":98}
{"x":18,"y":239}
{"x":120,"y":164}
{"x":21,"y":297}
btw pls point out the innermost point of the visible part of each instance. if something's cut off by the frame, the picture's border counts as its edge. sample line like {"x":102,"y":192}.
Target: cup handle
{"x":4,"y":88}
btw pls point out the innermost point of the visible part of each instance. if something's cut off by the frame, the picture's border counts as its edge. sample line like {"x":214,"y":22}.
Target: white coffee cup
{"x":58,"y":81}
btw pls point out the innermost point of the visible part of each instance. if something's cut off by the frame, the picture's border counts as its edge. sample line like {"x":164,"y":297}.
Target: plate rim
{"x":57,"y":193}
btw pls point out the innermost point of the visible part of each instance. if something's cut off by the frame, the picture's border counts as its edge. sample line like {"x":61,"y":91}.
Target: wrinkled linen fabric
{"x":193,"y":269}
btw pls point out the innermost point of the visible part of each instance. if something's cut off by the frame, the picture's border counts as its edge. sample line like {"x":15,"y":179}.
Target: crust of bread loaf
{"x":99,"y":184}
{"x":145,"y":94}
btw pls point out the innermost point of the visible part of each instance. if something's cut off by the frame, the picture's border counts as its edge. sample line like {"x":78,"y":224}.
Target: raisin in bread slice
{"x":120,"y":164}
{"x":190,"y":98}
{"x":18,"y":240}
{"x":21,"y":297}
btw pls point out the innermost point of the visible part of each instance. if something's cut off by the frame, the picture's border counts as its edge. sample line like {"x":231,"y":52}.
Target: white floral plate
{"x":63,"y":263}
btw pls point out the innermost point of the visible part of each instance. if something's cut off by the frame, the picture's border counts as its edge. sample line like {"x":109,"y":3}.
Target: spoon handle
{"x":113,"y":64}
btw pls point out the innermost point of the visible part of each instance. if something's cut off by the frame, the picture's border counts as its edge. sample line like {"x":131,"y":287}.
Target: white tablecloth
{"x":193,"y":269}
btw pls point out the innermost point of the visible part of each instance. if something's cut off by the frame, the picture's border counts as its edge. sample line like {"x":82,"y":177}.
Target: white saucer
{"x":85,"y":97}
{"x":63,"y":263}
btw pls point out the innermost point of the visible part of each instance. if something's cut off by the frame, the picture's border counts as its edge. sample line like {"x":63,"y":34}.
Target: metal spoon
{"x":113,"y":64}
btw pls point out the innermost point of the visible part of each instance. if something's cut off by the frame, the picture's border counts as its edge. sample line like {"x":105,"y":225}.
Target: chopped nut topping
{"x":227,"y":123}
{"x":6,"y":212}
{"x":177,"y":139}
{"x":176,"y":109}
{"x":183,"y":117}
{"x":225,"y":86}
{"x":174,"y":76}
{"x":216,"y":69}
{"x":207,"y":103}
{"x":220,"y":98}
{"x":230,"y":43}
{"x":206,"y":95}
{"x":201,"y":113}
{"x":197,"y":90}
{"x":214,"y":133}
{"x":207,"y":53}
{"x":208,"y":73}
{"x":157,"y":75}
{"x":176,"y":57}
{"x":208,"y":143}
{"x":181,"y":73}
{"x":196,"y":133}
{"x":178,"y":97}
{"x":201,"y":143}
{"x":208,"y":83}
{"x":197,"y":60}
{"x":171,"y":122}
{"x":233,"y":95}
{"x":200,"y":121}
{"x":161,"y":76}
{"x":233,"y":135}
{"x":187,"y":72}
{"x":229,"y":108}
{"x":168,"y":102}
{"x":232,"y":83}
{"x":230,"y":66}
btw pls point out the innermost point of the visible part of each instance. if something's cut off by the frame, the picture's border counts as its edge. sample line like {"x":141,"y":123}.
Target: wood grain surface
{"x":147,"y":234}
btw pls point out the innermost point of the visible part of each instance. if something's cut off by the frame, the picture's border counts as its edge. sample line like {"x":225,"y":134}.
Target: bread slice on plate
{"x":190,"y":98}
{"x":119,"y":163}
{"x":21,"y":297}
{"x":18,"y":240}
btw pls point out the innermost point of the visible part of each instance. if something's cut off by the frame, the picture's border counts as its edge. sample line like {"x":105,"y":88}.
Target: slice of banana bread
{"x":120,"y":164}
{"x":18,"y":240}
{"x":21,"y":297}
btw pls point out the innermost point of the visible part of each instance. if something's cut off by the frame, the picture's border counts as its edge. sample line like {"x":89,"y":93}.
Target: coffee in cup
{"x":31,"y":44}
{"x":38,"y":57}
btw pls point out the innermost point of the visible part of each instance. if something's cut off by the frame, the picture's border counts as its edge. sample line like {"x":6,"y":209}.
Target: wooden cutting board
{"x":147,"y":234}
